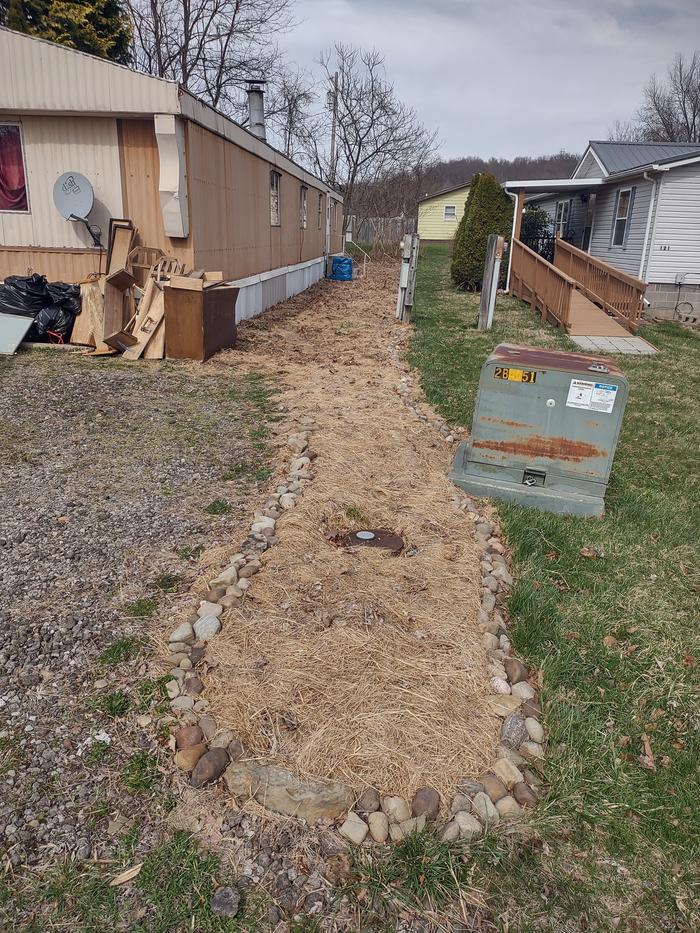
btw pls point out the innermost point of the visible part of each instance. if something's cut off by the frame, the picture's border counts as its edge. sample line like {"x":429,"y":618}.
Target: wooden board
{"x":113,"y":310}
{"x":121,"y":237}
{"x":121,"y":279}
{"x":155,"y":348}
{"x":186,"y":282}
{"x":87,"y":324}
{"x":147,"y":327}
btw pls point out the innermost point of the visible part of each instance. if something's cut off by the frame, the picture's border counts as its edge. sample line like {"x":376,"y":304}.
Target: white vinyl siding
{"x":628,"y":256}
{"x":675,"y":243}
{"x":577,"y":215}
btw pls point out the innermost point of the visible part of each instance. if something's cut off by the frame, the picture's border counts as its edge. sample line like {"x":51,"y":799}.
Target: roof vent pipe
{"x":256,"y":108}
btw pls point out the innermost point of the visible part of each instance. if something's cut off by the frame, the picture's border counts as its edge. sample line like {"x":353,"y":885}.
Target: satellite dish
{"x":73,"y":196}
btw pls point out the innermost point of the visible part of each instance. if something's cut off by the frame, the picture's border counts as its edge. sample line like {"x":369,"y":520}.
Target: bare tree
{"x":624,"y":131}
{"x":210,"y":46}
{"x":378,"y":136}
{"x":670,"y":111}
{"x":288,"y":106}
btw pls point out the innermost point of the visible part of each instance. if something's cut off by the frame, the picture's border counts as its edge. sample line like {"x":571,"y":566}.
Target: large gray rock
{"x":514,"y":731}
{"x":485,"y":810}
{"x":283,"y":792}
{"x":206,"y":627}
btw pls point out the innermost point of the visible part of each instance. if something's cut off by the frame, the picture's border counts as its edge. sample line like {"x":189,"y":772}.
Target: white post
{"x":403,"y":277}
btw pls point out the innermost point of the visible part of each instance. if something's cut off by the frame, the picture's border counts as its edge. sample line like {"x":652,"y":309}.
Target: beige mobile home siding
{"x":229,"y":197}
{"x":140,"y":172}
{"x":68,"y":265}
{"x":431,"y":215}
{"x":52,"y":146}
{"x":40,"y":76}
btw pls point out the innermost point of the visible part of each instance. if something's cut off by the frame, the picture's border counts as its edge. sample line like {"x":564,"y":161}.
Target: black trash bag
{"x":24,"y":294}
{"x":56,"y":319}
{"x":67,"y":296}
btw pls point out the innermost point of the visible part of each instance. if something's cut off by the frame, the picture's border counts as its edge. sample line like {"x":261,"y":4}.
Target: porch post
{"x":518,"y":207}
{"x":518,"y":219}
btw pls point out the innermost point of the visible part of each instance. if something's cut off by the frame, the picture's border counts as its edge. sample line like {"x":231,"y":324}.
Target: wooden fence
{"x":616,"y":292}
{"x":381,"y":231}
{"x":541,"y":284}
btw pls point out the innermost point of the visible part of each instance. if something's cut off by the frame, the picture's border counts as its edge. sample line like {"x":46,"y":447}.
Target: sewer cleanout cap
{"x":374,"y":537}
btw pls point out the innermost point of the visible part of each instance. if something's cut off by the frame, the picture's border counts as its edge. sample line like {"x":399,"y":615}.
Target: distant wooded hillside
{"x":399,"y":194}
{"x":459,"y":171}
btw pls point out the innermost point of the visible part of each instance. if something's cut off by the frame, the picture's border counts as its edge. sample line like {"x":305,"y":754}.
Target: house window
{"x":450,"y":212}
{"x":320,"y":211}
{"x":303,"y":192}
{"x":623,"y":212}
{"x":561,"y":219}
{"x":13,"y":184}
{"x":334,"y":218}
{"x":275,"y":179}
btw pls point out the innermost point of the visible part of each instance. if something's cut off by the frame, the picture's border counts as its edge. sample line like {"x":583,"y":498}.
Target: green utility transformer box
{"x":545,"y":428}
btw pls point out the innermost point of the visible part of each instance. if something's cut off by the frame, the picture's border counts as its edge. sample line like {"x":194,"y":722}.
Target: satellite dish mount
{"x":74,"y":199}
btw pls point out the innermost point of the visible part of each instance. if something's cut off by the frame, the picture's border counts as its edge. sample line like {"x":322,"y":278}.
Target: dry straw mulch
{"x":354,"y":664}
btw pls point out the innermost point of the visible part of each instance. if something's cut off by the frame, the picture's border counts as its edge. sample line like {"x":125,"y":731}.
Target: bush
{"x":537,"y":231}
{"x":488,"y":210}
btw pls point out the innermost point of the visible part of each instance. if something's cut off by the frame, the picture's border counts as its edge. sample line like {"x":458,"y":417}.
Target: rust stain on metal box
{"x":558,"y":448}
{"x":509,"y":424}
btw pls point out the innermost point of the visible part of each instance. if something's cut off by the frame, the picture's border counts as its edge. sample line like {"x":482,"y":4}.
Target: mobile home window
{"x":450,"y":212}
{"x":320,"y":211}
{"x":275,"y":179}
{"x":622,"y":216}
{"x":13,"y":184}
{"x":302,"y":206}
{"x":561,"y":220}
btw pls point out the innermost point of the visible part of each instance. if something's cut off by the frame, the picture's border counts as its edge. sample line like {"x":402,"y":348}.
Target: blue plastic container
{"x":341,"y":269}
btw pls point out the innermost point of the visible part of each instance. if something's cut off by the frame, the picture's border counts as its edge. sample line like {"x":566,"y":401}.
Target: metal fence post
{"x":489,"y":285}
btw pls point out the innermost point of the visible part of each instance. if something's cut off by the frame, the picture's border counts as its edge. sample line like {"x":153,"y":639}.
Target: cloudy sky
{"x":514,"y":77}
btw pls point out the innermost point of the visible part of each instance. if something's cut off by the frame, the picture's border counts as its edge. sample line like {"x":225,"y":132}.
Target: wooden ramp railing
{"x":616,"y":292}
{"x":541,"y":284}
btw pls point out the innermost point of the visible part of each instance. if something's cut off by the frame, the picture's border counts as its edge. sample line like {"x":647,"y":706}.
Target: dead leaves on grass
{"x":125,"y":876}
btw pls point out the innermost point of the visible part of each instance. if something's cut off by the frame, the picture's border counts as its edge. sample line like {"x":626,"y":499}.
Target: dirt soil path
{"x":352,"y":663}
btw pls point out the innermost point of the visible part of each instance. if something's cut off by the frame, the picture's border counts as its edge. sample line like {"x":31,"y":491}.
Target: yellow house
{"x":440,"y":213}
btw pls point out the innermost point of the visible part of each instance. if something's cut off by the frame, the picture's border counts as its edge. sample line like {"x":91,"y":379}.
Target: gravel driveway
{"x":106,"y":473}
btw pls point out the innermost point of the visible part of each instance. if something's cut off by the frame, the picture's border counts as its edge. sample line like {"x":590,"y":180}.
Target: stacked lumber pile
{"x":123,"y":311}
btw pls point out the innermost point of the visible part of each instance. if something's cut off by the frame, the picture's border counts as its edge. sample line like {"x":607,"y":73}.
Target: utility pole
{"x":334,"y":121}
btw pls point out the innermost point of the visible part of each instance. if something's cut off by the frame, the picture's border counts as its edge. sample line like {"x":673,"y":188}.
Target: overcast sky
{"x":513,"y":77}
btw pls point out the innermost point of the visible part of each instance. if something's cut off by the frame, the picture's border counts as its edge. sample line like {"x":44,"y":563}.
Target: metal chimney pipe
{"x":256,"y":108}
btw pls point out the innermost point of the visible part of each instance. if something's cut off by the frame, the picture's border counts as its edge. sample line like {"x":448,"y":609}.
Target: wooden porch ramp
{"x":591,"y":328}
{"x":598,"y":308}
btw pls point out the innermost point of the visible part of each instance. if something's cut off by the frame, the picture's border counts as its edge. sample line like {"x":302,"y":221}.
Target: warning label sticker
{"x":593,"y":396}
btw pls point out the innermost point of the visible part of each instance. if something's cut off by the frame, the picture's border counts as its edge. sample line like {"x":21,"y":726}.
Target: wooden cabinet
{"x":199,"y":322}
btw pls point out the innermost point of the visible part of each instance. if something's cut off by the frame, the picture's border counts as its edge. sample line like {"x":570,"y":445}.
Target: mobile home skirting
{"x":260,"y":292}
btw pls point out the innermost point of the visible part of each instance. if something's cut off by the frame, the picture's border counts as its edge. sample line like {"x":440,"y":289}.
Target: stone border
{"x":201,"y":750}
{"x":501,"y":794}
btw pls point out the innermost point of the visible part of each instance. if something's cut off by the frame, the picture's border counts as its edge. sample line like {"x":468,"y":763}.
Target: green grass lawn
{"x":616,"y":638}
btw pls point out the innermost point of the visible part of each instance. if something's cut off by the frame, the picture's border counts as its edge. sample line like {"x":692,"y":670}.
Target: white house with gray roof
{"x":636,"y":207}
